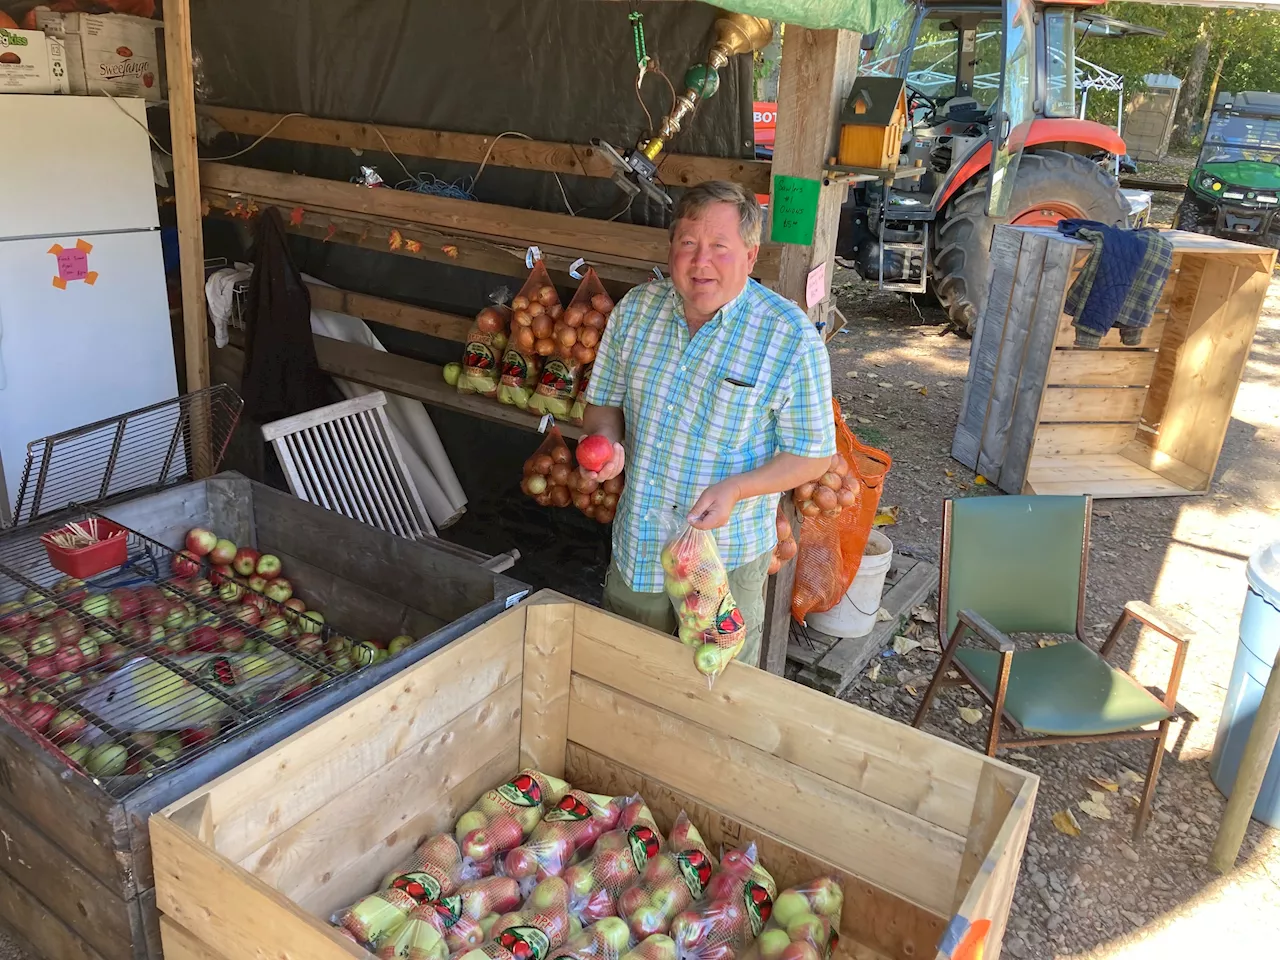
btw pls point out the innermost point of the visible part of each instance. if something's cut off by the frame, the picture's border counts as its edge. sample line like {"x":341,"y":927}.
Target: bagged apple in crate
{"x":486,"y":343}
{"x":505,"y":815}
{"x":605,"y":939}
{"x":533,"y":931}
{"x":738,"y":903}
{"x":566,"y":832}
{"x":548,"y":472}
{"x":657,"y":947}
{"x":377,"y":917}
{"x":576,"y":336}
{"x":671,"y":881}
{"x":417,"y":939}
{"x":805,"y":924}
{"x":618,"y":860}
{"x":461,"y":917}
{"x":434,"y":869}
{"x":698,"y":586}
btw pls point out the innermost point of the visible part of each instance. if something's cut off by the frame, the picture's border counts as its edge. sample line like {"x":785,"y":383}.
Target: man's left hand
{"x":714,"y":506}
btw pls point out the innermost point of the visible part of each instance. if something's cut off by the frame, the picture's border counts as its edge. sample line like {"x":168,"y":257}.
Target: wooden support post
{"x":1253,"y":766}
{"x":817,"y":68}
{"x":186,"y":186}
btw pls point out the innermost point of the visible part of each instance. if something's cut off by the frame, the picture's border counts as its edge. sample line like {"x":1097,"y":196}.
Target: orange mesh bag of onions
{"x":547,"y":473}
{"x":575,"y":337}
{"x":836,"y":515}
{"x":534,"y":312}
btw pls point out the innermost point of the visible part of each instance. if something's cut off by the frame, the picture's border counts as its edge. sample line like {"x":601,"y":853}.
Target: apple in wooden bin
{"x":68,"y":659}
{"x":107,"y":760}
{"x":186,"y":564}
{"x":223,"y":553}
{"x":90,"y":649}
{"x":40,"y":715}
{"x":70,"y":589}
{"x":43,"y":642}
{"x":245,"y":561}
{"x":311,"y":643}
{"x":66,"y":726}
{"x":279,"y":590}
{"x":13,"y":614}
{"x":220,"y":574}
{"x":276,"y":626}
{"x":125,"y":604}
{"x":40,"y":606}
{"x":294,"y":606}
{"x":201,"y":542}
{"x":269,"y":566}
{"x":248,"y":613}
{"x":232,"y":639}
{"x":230,"y":592}
{"x":257,"y":584}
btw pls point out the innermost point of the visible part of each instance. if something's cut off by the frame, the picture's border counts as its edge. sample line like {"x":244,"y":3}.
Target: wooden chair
{"x":344,"y":457}
{"x":1019,"y":564}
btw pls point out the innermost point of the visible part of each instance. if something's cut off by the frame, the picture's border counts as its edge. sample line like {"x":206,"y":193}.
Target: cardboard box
{"x":30,"y":62}
{"x":111,"y":52}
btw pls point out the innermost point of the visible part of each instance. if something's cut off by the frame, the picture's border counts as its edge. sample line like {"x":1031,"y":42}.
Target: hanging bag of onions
{"x":534,"y":311}
{"x":548,"y":471}
{"x":575,"y":337}
{"x":486,"y":342}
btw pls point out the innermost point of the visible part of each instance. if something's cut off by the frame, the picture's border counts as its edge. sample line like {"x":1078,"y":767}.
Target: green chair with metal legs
{"x":1019,"y":565}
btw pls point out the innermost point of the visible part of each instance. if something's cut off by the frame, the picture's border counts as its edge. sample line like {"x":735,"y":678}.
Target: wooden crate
{"x":1042,"y":416}
{"x":76,"y":881}
{"x":927,"y":836}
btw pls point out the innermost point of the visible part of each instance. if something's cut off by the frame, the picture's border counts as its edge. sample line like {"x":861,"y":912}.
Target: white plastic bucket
{"x":855,"y":614}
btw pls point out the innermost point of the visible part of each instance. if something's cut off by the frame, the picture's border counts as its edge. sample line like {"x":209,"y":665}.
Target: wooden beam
{"x":404,"y":316}
{"x":676,"y":169}
{"x":777,"y":604}
{"x":418,"y":380}
{"x":186,"y":188}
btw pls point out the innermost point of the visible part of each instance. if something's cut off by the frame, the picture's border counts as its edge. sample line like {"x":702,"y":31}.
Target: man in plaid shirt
{"x":716,"y":394}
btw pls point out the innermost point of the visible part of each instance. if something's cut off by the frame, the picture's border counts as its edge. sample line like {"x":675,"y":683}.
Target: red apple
{"x":248,"y":613}
{"x":156,"y":609}
{"x":66,"y":726}
{"x":68,"y":659}
{"x":311,"y":643}
{"x":10,"y":682}
{"x":223,"y":552}
{"x":70,"y":590}
{"x":222,"y":574}
{"x":337,"y":645}
{"x":200,"y":587}
{"x":594,"y":452}
{"x":230,"y":592}
{"x":279,"y":590}
{"x":195,"y":736}
{"x":201,"y":541}
{"x":245,"y":561}
{"x":232,"y":639}
{"x":265,"y":606}
{"x":13,"y":614}
{"x":293,"y":606}
{"x":124,"y":604}
{"x":268,"y":566}
{"x":186,"y":564}
{"x":257,"y":584}
{"x":40,"y":715}
{"x":204,"y":639}
{"x":66,"y":628}
{"x":276,"y":626}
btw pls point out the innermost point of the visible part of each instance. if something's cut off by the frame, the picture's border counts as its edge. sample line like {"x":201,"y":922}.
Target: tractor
{"x":983,"y":79}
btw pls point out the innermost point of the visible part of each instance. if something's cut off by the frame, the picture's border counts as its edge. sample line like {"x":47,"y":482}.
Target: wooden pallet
{"x":1041,"y":416}
{"x":831,"y":664}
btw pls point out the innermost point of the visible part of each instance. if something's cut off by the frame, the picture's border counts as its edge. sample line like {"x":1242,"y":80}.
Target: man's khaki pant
{"x":654,"y":609}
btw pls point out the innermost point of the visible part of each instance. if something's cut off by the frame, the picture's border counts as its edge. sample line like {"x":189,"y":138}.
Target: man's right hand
{"x":612,"y":468}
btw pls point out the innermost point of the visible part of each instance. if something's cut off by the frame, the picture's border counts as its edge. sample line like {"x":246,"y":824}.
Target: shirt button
{"x":671,"y":406}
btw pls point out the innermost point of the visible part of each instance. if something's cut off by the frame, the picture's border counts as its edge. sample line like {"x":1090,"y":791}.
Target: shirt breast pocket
{"x":728,"y":415}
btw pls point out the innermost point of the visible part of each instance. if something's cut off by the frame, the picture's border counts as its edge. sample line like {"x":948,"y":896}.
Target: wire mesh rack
{"x":144,"y":664}
{"x":146,"y":449}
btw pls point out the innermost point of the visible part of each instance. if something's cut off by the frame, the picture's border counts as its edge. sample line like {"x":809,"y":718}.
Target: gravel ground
{"x":900,"y":379}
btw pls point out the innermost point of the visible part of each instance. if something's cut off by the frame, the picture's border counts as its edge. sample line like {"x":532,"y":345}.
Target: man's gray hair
{"x":696,"y":200}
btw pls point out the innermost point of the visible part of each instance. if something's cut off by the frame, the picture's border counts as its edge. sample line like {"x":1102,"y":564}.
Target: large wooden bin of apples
{"x":409,"y":820}
{"x":126,"y":691}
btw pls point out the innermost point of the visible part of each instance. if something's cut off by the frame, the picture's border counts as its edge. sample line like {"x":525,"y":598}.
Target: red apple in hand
{"x":223,"y":553}
{"x":245,"y":561}
{"x":594,"y":452}
{"x":201,"y":541}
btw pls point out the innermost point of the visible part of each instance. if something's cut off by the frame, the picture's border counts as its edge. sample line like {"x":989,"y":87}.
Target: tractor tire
{"x":1190,"y":216}
{"x":962,"y":242}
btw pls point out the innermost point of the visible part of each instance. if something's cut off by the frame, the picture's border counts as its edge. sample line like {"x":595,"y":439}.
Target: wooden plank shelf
{"x":403,"y":316}
{"x":419,"y":380}
{"x":675,"y":169}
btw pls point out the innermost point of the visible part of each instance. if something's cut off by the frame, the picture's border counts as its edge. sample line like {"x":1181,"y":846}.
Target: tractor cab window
{"x":1060,"y":79}
{"x":941,"y":55}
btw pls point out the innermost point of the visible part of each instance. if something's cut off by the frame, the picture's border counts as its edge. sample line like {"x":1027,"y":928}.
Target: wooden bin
{"x":76,"y":881}
{"x":1042,"y":416}
{"x":927,"y":836}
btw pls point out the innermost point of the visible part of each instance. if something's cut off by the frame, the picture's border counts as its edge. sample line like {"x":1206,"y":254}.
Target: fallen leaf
{"x":1098,"y":796}
{"x":942,"y":383}
{"x":413,"y":246}
{"x":251,"y":210}
{"x":949,"y":473}
{"x":979,"y":480}
{"x":970,"y":714}
{"x":852,"y":374}
{"x":883,"y":615}
{"x":364,"y":234}
{"x":1065,"y":822}
{"x":328,"y":234}
{"x":883,"y":385}
{"x":295,"y":216}
{"x":1128,"y":776}
{"x":874,"y":673}
{"x":1104,"y":783}
{"x":204,"y":208}
{"x":394,"y":240}
{"x":886,"y":517}
{"x":863,"y":420}
{"x":931,"y":644}
{"x":924,"y":614}
{"x":882,"y":416}
{"x":1024,"y":757}
{"x":450,"y":251}
{"x":1094,"y":809}
{"x":1047,"y":643}
{"x":904,"y":645}
{"x":910,"y":689}
{"x":1099,"y":512}
{"x":923,"y":391}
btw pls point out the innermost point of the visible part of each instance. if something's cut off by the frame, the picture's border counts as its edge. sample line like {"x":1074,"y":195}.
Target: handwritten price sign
{"x":794,"y":212}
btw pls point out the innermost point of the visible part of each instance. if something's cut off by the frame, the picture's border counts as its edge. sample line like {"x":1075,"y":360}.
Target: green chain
{"x":637,"y":27}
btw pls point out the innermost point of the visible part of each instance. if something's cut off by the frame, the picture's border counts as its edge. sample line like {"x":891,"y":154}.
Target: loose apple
{"x":107,"y":760}
{"x":70,"y":589}
{"x":245,"y":562}
{"x":40,"y":715}
{"x":232,"y":638}
{"x":201,"y":542}
{"x":220,"y":574}
{"x":186,"y":564}
{"x":279,"y":590}
{"x":125,"y":604}
{"x":13,"y":614}
{"x":40,"y":606}
{"x":312,"y":621}
{"x":43,"y":642}
{"x":66,"y":726}
{"x":90,"y":649}
{"x":365,"y":653}
{"x":257,"y":584}
{"x":247,"y":613}
{"x":223,"y":553}
{"x":274,"y":626}
{"x":68,"y":659}
{"x":268,"y":566}
{"x":12,"y":651}
{"x":294,"y":606}
{"x":309,"y":643}
{"x":10,"y":682}
{"x":67,"y":682}
{"x":399,"y":643}
{"x":230,"y":592}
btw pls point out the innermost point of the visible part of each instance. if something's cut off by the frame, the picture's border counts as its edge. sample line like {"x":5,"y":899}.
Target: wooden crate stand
{"x":926,"y":836}
{"x":1040,"y":415}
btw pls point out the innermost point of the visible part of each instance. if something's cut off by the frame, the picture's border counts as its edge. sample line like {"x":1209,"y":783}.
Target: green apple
{"x":107,"y":760}
{"x":789,"y":906}
{"x":772,"y":942}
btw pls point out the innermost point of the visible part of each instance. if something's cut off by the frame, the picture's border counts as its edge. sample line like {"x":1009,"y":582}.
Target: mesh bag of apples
{"x":536,"y":870}
{"x":698,"y":586}
{"x":482,"y":355}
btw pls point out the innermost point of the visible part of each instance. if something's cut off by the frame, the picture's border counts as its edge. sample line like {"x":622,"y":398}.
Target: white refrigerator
{"x":84,"y":315}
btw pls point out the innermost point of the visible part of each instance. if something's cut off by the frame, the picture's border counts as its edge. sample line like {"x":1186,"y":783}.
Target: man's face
{"x":709,"y":261}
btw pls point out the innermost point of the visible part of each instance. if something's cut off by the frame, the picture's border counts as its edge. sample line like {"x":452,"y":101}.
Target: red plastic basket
{"x":111,"y":550}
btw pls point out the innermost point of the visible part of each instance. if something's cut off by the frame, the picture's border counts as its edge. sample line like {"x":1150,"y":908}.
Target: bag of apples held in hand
{"x":805,"y":924}
{"x":619,"y":858}
{"x":575,"y":337}
{"x":672,"y":881}
{"x":534,"y":311}
{"x":486,"y":343}
{"x":547,"y":474}
{"x":738,"y":903}
{"x":567,"y":831}
{"x":698,"y":586}
{"x":502,"y":818}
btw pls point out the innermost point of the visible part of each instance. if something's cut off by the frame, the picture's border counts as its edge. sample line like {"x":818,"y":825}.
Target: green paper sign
{"x":795,"y":210}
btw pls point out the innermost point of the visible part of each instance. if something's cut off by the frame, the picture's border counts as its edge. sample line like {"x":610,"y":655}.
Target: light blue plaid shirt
{"x":754,"y":382}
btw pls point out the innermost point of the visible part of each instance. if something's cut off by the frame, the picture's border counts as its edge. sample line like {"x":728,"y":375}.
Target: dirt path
{"x":900,"y":385}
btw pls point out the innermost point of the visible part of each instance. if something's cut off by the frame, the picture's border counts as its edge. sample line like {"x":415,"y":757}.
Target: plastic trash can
{"x":1255,"y":659}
